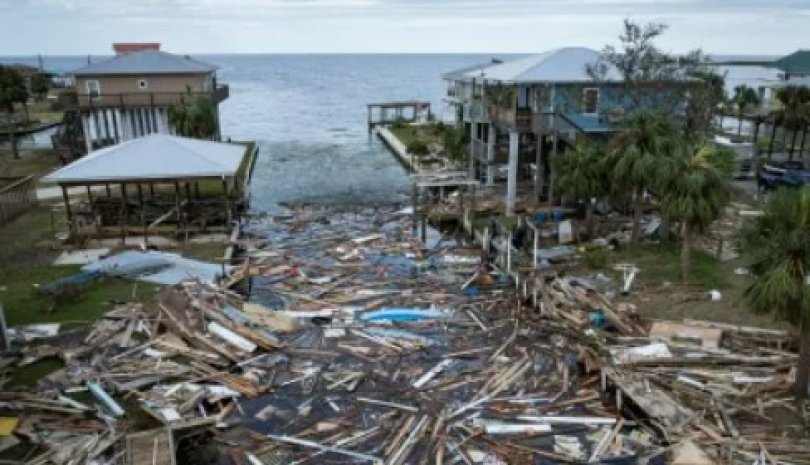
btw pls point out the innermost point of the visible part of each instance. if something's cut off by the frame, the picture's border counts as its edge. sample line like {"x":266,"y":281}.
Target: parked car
{"x":787,"y":173}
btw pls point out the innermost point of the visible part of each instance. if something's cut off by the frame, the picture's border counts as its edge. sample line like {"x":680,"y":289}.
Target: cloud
{"x":89,"y":26}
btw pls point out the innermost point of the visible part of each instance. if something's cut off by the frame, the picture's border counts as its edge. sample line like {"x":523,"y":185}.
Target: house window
{"x":143,"y":84}
{"x":590,"y":100}
{"x":93,"y":89}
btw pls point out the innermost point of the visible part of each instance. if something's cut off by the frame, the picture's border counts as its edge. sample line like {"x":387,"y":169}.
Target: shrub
{"x":418,"y":147}
{"x":399,"y":124}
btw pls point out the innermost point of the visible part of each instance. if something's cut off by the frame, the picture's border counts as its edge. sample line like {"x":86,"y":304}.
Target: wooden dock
{"x":394,"y":112}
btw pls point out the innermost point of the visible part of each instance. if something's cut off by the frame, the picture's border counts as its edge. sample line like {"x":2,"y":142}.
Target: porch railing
{"x":17,"y":196}
{"x":139,"y":99}
{"x":519,"y":119}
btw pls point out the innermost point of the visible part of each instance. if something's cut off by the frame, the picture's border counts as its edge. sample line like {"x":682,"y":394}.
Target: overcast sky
{"x":290,"y":26}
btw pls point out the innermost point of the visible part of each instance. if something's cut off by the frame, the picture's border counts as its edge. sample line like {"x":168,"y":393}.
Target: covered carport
{"x":158,"y":184}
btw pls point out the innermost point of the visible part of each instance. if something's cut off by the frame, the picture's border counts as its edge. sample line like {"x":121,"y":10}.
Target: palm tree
{"x":455,"y":142}
{"x":581,"y":175}
{"x":744,"y":98}
{"x":696,"y":190}
{"x":180,"y":119}
{"x":197,"y":118}
{"x":778,"y":245}
{"x":794,"y":113}
{"x":638,"y":155}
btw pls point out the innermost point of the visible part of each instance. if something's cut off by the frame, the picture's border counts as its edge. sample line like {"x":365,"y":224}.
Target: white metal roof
{"x":146,"y":62}
{"x":463,"y":73}
{"x":559,"y":65}
{"x":157,"y":156}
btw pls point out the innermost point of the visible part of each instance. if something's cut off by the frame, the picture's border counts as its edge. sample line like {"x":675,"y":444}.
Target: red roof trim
{"x":130,"y":47}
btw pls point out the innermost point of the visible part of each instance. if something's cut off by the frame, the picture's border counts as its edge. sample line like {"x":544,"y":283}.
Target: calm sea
{"x":308,"y":114}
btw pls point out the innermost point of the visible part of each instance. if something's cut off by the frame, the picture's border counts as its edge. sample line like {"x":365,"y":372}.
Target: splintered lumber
{"x":231,"y":337}
{"x":432,"y":373}
{"x":495,"y":428}
{"x":152,"y":447}
{"x":655,"y":403}
{"x":321,"y":447}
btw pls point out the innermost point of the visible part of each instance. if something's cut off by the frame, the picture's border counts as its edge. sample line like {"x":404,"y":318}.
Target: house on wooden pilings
{"x":129,"y":96}
{"x":522,"y":112}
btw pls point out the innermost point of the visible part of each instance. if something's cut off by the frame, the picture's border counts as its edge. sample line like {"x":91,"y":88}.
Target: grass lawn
{"x":407,"y":133}
{"x":32,"y":161}
{"x":659,"y":293}
{"x":26,"y":255}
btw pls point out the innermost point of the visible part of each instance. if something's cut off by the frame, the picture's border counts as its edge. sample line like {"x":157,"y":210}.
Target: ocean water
{"x":308,"y":115}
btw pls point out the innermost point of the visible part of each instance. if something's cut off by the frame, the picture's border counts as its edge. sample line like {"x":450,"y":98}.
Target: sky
{"x":79,"y":27}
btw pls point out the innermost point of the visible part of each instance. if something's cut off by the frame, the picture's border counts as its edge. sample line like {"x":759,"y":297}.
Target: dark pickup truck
{"x":787,"y":173}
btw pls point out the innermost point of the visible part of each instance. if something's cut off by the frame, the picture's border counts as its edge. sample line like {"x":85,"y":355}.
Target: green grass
{"x":28,"y":375}
{"x":26,"y":255}
{"x":661,"y":263}
{"x":24,"y":304}
{"x":408,"y":134}
{"x":32,"y":161}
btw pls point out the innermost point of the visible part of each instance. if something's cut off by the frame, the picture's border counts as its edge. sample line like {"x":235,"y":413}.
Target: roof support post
{"x":188,"y":208}
{"x":124,"y":213}
{"x":538,"y":167}
{"x":92,"y":203}
{"x":555,"y":154}
{"x":142,"y":205}
{"x":68,"y":212}
{"x":511,"y":182}
{"x":177,"y":204}
{"x":226,"y":197}
{"x":491,"y":154}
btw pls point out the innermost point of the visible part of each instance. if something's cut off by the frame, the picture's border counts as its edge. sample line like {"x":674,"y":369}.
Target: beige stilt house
{"x":129,"y":96}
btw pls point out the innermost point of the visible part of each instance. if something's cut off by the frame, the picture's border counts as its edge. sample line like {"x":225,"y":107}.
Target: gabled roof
{"x":558,"y":65}
{"x":796,"y":62}
{"x":462,"y":73}
{"x":146,"y":62}
{"x":157,"y":156}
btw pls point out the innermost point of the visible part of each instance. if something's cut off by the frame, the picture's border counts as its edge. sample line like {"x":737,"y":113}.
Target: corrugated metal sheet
{"x":558,"y":65}
{"x":157,"y":156}
{"x":146,"y":62}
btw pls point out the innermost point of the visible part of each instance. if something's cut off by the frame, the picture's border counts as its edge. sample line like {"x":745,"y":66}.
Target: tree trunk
{"x":757,"y":122}
{"x":801,"y":145}
{"x":739,"y":124}
{"x":772,"y":141}
{"x":793,"y":144}
{"x":803,"y":365}
{"x":12,"y":137}
{"x":685,"y":250}
{"x":637,"y":206}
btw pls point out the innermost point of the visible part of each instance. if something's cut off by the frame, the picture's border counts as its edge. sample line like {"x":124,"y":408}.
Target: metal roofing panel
{"x":559,"y":65}
{"x":146,"y":62}
{"x":157,"y":156}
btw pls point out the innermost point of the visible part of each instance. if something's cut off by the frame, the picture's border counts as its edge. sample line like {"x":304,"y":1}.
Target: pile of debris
{"x":360,"y":344}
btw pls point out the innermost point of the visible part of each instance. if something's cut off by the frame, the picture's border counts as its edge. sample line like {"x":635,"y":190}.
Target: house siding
{"x":156,"y":83}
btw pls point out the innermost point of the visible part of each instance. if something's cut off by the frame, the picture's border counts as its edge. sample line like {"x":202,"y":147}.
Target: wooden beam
{"x":68,"y":212}
{"x":124,"y":213}
{"x":177,"y":203}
